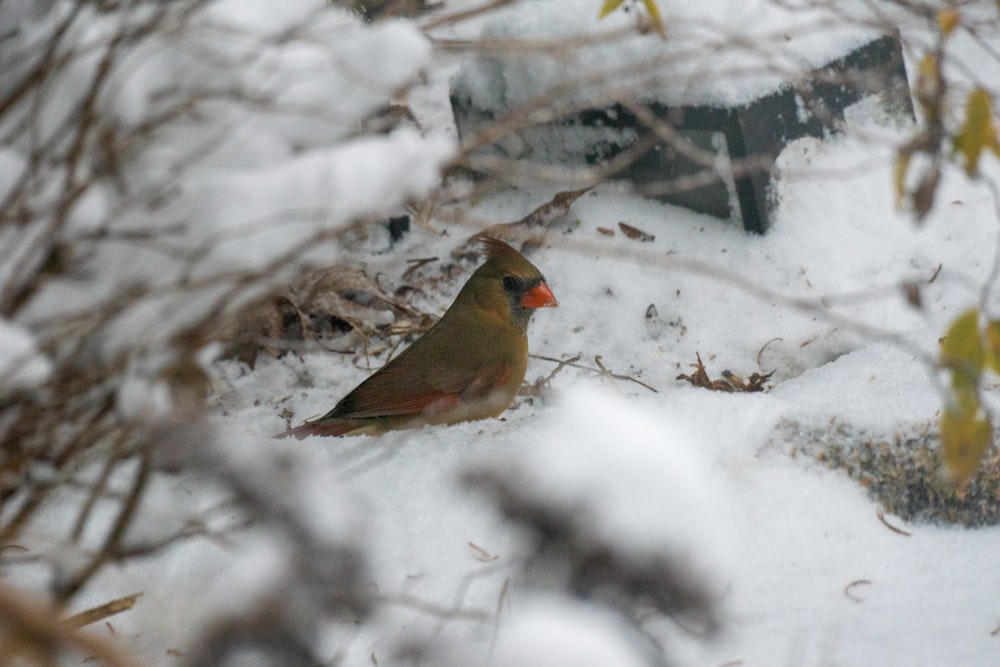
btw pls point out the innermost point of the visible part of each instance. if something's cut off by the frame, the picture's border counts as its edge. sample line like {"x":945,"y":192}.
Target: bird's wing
{"x":397,"y":390}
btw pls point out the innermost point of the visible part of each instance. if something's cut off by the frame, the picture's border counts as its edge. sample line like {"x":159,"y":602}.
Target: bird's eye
{"x":509,"y":283}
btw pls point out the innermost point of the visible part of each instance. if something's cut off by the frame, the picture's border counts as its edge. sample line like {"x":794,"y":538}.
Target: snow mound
{"x":620,"y":498}
{"x":553,"y":631}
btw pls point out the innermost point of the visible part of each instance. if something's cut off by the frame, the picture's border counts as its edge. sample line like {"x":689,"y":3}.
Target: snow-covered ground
{"x":794,"y":535}
{"x":800,"y":568}
{"x":788,"y":536}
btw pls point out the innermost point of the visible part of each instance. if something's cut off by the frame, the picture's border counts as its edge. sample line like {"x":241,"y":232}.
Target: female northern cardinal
{"x":468,"y":366}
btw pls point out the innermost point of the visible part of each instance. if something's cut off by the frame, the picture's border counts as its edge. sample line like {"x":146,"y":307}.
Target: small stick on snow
{"x":881,"y":517}
{"x":857,"y":582}
{"x":601,"y":370}
{"x":105,"y":610}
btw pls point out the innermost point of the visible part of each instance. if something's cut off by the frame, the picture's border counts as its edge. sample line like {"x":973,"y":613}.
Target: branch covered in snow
{"x":162,"y":164}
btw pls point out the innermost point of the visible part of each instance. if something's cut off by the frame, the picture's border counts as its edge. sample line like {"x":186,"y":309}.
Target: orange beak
{"x":539,"y":296}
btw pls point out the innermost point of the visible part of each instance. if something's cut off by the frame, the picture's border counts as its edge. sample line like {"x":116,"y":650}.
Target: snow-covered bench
{"x":688,"y":115}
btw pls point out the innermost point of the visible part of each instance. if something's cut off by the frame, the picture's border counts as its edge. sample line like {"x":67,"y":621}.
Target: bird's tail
{"x":330,"y":429}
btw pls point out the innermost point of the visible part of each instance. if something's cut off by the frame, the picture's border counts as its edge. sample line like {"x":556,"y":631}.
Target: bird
{"x":468,"y":366}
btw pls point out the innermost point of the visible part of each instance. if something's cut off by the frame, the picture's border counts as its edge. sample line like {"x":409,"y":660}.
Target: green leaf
{"x":993,"y":345}
{"x":978,"y":132}
{"x":928,"y":65}
{"x":947,"y":20}
{"x":608,"y":7}
{"x":651,"y":9}
{"x":965,"y":434}
{"x":962,"y":348}
{"x":965,"y":426}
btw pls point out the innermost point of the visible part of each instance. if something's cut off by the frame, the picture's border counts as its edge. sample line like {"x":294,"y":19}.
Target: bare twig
{"x":858,"y":582}
{"x":881,"y":517}
{"x":600,"y":370}
{"x":99,"y":613}
{"x":37,"y":623}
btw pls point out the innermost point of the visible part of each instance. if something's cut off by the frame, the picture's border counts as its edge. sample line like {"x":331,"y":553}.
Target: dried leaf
{"x":729,"y":383}
{"x":527,"y":232}
{"x":635,"y":234}
{"x":258,"y":327}
{"x":902,"y":166}
{"x":343,"y":291}
{"x":327,"y":302}
{"x":605,"y":231}
{"x":553,"y":210}
{"x":911,"y":291}
{"x":922,"y":198}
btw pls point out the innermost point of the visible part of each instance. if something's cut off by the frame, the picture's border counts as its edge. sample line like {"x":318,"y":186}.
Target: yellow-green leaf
{"x":947,"y":20}
{"x":609,"y":6}
{"x":962,"y":348}
{"x":978,"y":132}
{"x":965,"y":435}
{"x":993,"y":345}
{"x":928,"y":65}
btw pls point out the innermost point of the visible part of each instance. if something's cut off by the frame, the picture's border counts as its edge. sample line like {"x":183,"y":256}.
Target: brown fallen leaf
{"x":526,"y":233}
{"x":259,"y":327}
{"x":606,"y":231}
{"x":635,"y":233}
{"x":325,"y":303}
{"x":730,"y":382}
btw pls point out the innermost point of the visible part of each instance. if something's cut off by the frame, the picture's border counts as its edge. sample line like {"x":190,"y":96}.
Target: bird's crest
{"x":499,"y":251}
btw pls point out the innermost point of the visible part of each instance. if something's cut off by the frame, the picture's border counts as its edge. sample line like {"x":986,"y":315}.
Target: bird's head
{"x":507,"y":276}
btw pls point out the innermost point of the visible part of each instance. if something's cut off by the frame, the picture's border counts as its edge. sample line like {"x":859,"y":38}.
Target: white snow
{"x":763,"y":41}
{"x":807,"y":573}
{"x":563,"y":632}
{"x":629,"y":479}
{"x":21,"y":364}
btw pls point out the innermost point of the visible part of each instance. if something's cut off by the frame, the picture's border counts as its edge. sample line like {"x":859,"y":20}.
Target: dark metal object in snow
{"x":750,"y":135}
{"x":398,"y":227}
